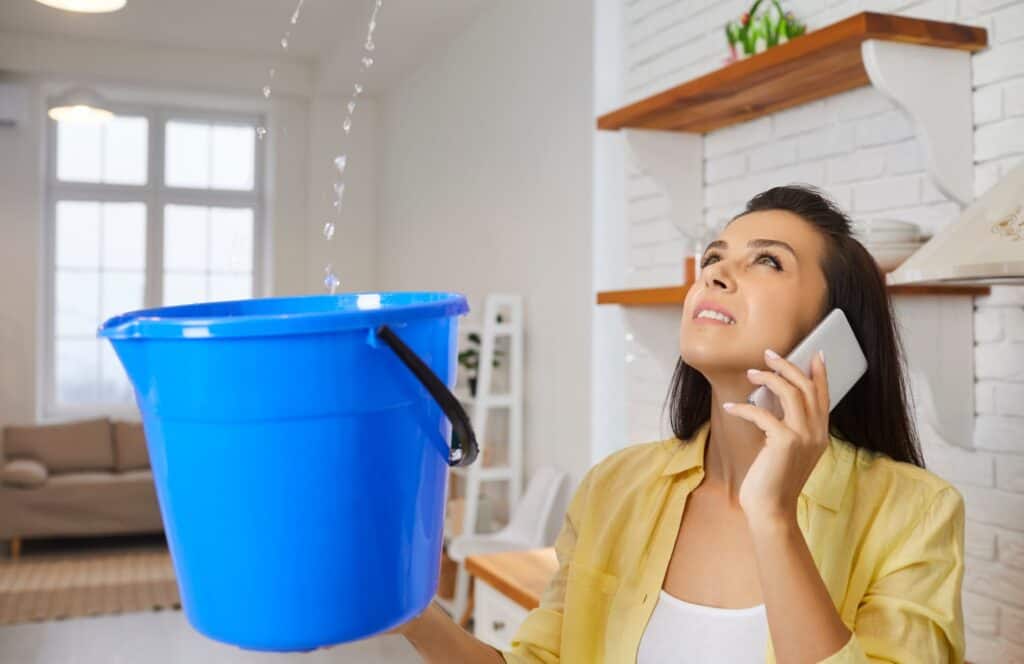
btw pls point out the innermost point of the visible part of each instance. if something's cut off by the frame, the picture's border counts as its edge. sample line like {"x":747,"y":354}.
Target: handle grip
{"x":464,"y":448}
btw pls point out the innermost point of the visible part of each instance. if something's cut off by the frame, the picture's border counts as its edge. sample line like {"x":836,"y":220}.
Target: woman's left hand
{"x":793,"y":445}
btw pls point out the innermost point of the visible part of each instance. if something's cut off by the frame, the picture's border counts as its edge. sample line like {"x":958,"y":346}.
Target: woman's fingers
{"x":793,"y":405}
{"x":761,"y":418}
{"x":794,"y":375}
{"x":821,"y":382}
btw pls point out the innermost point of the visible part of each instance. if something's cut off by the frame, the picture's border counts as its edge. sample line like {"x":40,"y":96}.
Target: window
{"x":155,"y":207}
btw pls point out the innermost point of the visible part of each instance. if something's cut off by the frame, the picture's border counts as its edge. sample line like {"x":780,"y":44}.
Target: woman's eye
{"x":768,"y":259}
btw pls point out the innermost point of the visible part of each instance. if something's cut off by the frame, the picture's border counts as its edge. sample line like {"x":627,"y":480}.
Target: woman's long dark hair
{"x":873,"y":414}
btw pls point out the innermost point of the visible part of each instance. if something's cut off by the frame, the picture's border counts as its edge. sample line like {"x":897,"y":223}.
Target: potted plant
{"x":469,"y":359}
{"x":755,"y":33}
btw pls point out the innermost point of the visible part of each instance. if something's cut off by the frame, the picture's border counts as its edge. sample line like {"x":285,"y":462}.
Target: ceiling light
{"x":85,"y":6}
{"x":80,"y":105}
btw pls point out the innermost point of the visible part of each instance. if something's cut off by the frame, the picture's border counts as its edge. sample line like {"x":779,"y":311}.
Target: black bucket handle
{"x":464,"y":447}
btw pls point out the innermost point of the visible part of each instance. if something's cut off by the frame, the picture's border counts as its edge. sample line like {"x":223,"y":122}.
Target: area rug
{"x":68,"y":586}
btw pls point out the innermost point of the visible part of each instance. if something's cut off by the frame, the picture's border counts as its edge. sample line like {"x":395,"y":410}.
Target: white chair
{"x":535,"y":523}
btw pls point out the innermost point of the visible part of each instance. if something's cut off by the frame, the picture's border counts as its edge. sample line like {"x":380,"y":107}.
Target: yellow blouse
{"x":886,"y":536}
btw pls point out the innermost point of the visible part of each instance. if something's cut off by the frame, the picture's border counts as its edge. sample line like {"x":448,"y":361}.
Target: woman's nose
{"x":717,"y":276}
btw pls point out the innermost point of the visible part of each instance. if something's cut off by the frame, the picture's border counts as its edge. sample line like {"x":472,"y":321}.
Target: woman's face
{"x":763,"y":271}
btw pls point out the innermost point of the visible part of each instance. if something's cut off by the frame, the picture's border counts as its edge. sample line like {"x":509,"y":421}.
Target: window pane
{"x":122,"y":292}
{"x":79,"y":151}
{"x":114,"y":152}
{"x":77,"y":303}
{"x":233,"y":157}
{"x":230,"y":287}
{"x":184,"y":288}
{"x":113,"y":385}
{"x":125,"y":150}
{"x":78,"y":234}
{"x":188,"y":155}
{"x":124,"y":236}
{"x":77,"y":370}
{"x":185,"y":237}
{"x":100,"y":272}
{"x":231,"y":237}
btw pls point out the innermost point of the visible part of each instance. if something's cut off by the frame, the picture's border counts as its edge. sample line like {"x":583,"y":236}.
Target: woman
{"x":749,"y":538}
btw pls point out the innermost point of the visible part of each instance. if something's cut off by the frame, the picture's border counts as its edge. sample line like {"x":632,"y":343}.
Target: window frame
{"x":155,"y":195}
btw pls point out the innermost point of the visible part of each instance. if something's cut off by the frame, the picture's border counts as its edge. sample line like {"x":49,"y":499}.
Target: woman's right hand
{"x":440,"y":639}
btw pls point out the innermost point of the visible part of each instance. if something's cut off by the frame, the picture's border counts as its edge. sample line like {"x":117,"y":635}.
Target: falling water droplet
{"x":329,"y":230}
{"x":379,"y":3}
{"x":347,"y":125}
{"x":295,"y":14}
{"x":340,"y":162}
{"x":261,"y":132}
{"x":369,"y":45}
{"x":373,"y":25}
{"x":330,"y":280}
{"x":272,"y":73}
{"x":351,"y":106}
{"x":358,"y":89}
{"x":284,"y":42}
{"x":266,"y":92}
{"x":367,"y":62}
{"x":629,"y":357}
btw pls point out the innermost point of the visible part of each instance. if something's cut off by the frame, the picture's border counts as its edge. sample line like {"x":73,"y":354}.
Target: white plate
{"x":887,"y":224}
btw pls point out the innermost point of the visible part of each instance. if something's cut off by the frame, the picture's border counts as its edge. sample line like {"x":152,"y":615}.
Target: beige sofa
{"x":82,"y":478}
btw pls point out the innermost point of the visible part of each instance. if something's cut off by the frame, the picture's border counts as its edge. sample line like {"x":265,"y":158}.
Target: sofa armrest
{"x":23,"y":474}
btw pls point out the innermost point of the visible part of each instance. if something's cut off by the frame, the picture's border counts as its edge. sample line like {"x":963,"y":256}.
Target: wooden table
{"x":519,"y":575}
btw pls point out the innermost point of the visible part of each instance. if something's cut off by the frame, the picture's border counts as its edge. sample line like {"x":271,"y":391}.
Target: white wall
{"x":862,"y":151}
{"x":485,"y":187}
{"x":304,"y":135}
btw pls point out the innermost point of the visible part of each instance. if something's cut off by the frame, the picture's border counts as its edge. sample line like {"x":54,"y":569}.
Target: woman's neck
{"x":733,"y":443}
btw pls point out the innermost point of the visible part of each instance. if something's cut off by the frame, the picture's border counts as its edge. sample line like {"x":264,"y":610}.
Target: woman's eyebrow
{"x":759,"y":243}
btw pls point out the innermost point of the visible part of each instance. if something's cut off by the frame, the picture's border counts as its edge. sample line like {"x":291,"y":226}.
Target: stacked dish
{"x":890,"y":242}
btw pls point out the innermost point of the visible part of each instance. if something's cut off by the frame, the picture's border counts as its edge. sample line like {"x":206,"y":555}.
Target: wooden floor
{"x":159,"y":637}
{"x":164,"y":637}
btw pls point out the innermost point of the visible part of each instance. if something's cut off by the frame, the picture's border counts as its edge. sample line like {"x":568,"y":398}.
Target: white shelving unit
{"x":480,"y":407}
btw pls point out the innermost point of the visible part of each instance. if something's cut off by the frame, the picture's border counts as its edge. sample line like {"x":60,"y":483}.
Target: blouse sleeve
{"x":539,"y":638}
{"x":911,"y":612}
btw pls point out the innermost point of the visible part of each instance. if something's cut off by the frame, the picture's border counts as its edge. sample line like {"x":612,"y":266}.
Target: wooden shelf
{"x":818,"y":64}
{"x":673,"y":295}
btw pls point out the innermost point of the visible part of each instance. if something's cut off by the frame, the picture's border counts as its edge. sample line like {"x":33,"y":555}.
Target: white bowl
{"x":889,"y":258}
{"x":878,"y":231}
{"x":887,"y":224}
{"x":892,"y":246}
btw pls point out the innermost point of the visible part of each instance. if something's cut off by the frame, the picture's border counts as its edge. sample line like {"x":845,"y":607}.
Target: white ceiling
{"x":330,"y":33}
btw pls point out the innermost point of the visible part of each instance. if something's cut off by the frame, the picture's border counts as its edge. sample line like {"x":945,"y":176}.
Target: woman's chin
{"x":711,"y":361}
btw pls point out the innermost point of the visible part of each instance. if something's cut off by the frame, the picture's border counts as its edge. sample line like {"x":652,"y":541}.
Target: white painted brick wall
{"x":862,"y":150}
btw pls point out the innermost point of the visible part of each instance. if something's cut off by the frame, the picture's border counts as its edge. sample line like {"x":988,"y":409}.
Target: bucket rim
{"x":284,"y":316}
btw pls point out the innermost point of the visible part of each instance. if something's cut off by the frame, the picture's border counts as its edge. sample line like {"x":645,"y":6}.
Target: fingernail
{"x":728,"y":405}
{"x":821,"y":356}
{"x":752,"y":372}
{"x":769,"y":353}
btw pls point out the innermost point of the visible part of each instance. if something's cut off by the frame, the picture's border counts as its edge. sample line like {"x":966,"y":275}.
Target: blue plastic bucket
{"x":300,"y":448}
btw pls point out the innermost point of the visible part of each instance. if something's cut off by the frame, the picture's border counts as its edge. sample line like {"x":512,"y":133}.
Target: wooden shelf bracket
{"x":933,"y":85}
{"x":675,"y":161}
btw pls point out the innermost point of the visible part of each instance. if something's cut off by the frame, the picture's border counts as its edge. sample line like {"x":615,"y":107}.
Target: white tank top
{"x":683,"y":633}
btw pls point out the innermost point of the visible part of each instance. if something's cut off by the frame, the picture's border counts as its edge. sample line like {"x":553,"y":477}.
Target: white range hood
{"x":985,"y":246}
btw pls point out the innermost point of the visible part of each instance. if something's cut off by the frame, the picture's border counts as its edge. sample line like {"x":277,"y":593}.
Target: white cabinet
{"x":496,"y":618}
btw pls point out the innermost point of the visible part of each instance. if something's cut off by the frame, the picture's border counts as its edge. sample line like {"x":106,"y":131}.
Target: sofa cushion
{"x":23,"y":473}
{"x":130,"y":446}
{"x":84,"y":445}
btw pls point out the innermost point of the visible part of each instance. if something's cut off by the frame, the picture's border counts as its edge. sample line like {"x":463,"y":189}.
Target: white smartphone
{"x":844,"y":361}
